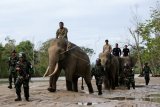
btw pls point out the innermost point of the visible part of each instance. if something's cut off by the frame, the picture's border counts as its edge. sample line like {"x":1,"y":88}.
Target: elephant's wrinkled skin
{"x":127,"y":60}
{"x":111,"y":66}
{"x":75,"y":62}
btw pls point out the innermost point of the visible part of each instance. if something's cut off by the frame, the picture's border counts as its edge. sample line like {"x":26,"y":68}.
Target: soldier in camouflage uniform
{"x":12,"y":72}
{"x":62,"y":34}
{"x":22,"y":67}
{"x":98,"y":72}
{"x":129,"y":76}
{"x":146,"y":72}
{"x":62,"y":31}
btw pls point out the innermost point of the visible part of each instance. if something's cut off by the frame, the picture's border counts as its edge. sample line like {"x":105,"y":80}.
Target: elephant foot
{"x":90,"y":88}
{"x":51,"y":89}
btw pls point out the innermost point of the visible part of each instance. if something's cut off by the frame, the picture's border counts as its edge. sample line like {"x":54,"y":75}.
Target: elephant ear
{"x":102,"y":56}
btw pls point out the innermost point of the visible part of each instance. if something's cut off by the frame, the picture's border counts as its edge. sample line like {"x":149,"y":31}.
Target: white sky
{"x":89,"y":22}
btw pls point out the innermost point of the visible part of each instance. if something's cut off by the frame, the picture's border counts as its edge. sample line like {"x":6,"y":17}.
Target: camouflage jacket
{"x":62,"y":33}
{"x":12,"y":61}
{"x":98,"y":71}
{"x":24,"y":68}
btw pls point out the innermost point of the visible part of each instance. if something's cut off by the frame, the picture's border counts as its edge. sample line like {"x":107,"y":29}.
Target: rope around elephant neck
{"x":68,"y":50}
{"x":80,"y":58}
{"x":75,"y":55}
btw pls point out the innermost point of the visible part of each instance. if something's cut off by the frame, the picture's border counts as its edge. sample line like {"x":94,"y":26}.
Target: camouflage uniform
{"x":12,"y":71}
{"x":23,"y":67}
{"x":107,"y":48}
{"x":129,"y":77}
{"x":146,"y":72}
{"x":98,"y":72}
{"x":62,"y":33}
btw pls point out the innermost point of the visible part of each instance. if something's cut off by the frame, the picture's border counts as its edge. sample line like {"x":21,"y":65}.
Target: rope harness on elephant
{"x":75,"y":55}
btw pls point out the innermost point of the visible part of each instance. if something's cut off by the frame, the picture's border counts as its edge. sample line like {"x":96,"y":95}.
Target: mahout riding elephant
{"x":74,"y":61}
{"x":111,"y":66}
{"x":125,"y":60}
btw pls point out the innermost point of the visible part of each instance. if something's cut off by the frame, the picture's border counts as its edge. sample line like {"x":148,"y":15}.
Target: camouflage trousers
{"x":99,"y":80}
{"x":12,"y":74}
{"x":25,"y":81}
{"x":130,"y":81}
{"x":147,"y":79}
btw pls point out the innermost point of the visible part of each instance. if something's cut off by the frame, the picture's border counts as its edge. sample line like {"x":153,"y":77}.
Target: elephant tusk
{"x":46,"y":71}
{"x":55,"y":70}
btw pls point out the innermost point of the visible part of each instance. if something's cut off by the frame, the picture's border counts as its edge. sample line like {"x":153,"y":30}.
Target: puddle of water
{"x":121,"y":98}
{"x":150,"y":98}
{"x":87,"y":103}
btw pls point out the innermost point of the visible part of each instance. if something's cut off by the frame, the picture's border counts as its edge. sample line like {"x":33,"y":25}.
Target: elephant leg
{"x":52,"y":82}
{"x":112,"y":82}
{"x":90,"y":88}
{"x":75,"y":86}
{"x":69,"y":85}
{"x":106,"y":83}
{"x":89,"y":85}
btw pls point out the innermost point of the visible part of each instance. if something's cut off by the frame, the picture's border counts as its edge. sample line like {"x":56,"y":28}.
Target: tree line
{"x":38,"y":57}
{"x":147,"y":41}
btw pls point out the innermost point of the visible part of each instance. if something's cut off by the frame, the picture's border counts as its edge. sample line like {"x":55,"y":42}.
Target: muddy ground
{"x":142,"y":96}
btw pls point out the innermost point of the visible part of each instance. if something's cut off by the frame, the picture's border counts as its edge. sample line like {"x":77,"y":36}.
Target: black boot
{"x":133,"y":85}
{"x":18,"y":98}
{"x":99,"y":89}
{"x":10,"y":86}
{"x":51,"y":89}
{"x":27,"y":98}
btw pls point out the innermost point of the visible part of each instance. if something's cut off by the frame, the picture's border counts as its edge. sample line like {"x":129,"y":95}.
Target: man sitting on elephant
{"x":116,"y":51}
{"x":126,"y":51}
{"x":62,"y":31}
{"x":98,"y":72}
{"x":107,"y":47}
{"x":62,"y":34}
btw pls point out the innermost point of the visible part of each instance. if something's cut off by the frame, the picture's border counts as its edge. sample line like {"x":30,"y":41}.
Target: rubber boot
{"x":99,"y":89}
{"x":133,"y":85}
{"x":18,"y":98}
{"x":10,"y":85}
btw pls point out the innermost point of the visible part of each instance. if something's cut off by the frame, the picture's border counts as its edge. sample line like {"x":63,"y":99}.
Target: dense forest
{"x":146,"y":47}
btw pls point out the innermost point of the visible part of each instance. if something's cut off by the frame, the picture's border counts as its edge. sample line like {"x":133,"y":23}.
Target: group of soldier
{"x":128,"y":72}
{"x":19,"y":69}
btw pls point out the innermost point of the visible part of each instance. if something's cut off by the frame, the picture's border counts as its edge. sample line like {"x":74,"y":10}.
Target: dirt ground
{"x":142,"y":96}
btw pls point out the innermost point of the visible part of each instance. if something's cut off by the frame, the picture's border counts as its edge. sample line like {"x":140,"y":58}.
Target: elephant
{"x":111,"y":66}
{"x":74,"y":61}
{"x":125,"y":60}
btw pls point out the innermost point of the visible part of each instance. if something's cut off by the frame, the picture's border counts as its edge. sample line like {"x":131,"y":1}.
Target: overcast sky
{"x":89,"y":22}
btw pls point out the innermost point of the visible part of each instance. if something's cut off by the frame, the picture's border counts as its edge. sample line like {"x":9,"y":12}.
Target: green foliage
{"x":89,"y":51}
{"x":150,"y":33}
{"x":27,"y":47}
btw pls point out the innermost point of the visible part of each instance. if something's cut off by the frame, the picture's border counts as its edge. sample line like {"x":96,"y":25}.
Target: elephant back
{"x":131,"y":61}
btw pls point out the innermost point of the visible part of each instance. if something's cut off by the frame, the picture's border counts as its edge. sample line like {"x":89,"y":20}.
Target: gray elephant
{"x":111,"y":66}
{"x":75,"y":62}
{"x":125,"y":60}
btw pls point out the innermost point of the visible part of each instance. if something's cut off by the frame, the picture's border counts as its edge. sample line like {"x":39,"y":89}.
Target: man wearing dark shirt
{"x":116,"y":51}
{"x":125,"y":51}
